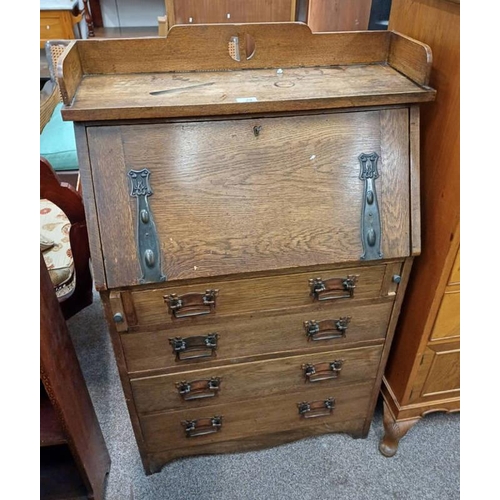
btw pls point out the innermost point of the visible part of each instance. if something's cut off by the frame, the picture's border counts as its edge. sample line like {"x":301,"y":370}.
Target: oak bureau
{"x":252,"y":196}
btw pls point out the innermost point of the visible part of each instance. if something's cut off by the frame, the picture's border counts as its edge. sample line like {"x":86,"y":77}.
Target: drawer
{"x":199,"y":200}
{"x":248,"y":381}
{"x":255,"y":335}
{"x":56,"y":25}
{"x":191,"y":305}
{"x":255,"y":417}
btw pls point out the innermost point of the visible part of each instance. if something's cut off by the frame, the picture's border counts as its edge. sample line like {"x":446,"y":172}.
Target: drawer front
{"x":159,"y":307}
{"x":248,"y":381}
{"x":252,"y":336}
{"x":255,"y":417}
{"x":55,"y":25}
{"x":252,"y":195}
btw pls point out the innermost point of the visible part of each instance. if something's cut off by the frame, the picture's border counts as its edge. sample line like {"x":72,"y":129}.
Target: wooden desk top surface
{"x":190,"y":72}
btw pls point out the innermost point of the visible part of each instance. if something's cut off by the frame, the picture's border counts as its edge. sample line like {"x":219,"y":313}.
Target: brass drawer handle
{"x":333,"y":288}
{"x":191,"y":304}
{"x":322,"y":371}
{"x":327,"y":329}
{"x":202,"y":426}
{"x":203,"y":346}
{"x":316,"y":408}
{"x":198,"y":389}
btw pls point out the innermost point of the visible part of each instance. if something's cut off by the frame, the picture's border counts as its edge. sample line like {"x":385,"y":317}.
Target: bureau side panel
{"x":88,"y":193}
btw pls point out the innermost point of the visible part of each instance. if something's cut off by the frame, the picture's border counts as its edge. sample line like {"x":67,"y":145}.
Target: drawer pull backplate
{"x":198,"y":389}
{"x":191,"y":304}
{"x":202,"y":426}
{"x":316,"y":408}
{"x":201,"y":346}
{"x":327,"y":329}
{"x":333,"y":288}
{"x":322,"y":371}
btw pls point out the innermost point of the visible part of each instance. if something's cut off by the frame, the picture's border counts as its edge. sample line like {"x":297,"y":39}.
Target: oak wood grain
{"x":248,"y":443}
{"x":124,"y":379}
{"x":205,"y":48}
{"x":129,"y":308}
{"x":252,"y":336}
{"x":392,"y":185}
{"x":235,"y":187}
{"x":248,"y":381}
{"x":391,"y":328}
{"x":116,"y":303}
{"x":249,"y":295}
{"x":87,"y":186}
{"x":256,"y":417}
{"x":415,"y":220}
{"x":108,"y":150}
{"x":412,"y":59}
{"x":256,"y":189}
{"x":390,"y":284}
{"x":70,"y":63}
{"x":124,"y":96}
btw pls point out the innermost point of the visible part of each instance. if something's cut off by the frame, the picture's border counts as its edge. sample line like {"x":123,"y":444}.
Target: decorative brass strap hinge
{"x":146,"y":237}
{"x":371,"y":230}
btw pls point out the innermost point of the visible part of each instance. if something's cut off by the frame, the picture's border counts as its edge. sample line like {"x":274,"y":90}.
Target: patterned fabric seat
{"x":64,"y":241}
{"x":56,"y":249}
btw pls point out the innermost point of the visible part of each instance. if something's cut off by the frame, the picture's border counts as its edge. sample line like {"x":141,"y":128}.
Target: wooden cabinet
{"x":252,"y":231}
{"x":228,"y":11}
{"x":423,"y":372}
{"x":74,"y":460}
{"x":57,"y":19}
{"x":337,"y":15}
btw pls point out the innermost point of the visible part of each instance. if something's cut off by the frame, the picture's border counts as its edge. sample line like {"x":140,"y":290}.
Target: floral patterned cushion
{"x":45,"y":244}
{"x":54,"y":227}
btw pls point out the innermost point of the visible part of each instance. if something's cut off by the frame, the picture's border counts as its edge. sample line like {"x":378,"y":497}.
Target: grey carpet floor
{"x":427,"y":465}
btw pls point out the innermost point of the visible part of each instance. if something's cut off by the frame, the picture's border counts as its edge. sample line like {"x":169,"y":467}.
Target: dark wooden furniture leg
{"x":394,"y":431}
{"x":88,"y":18}
{"x":73,"y":456}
